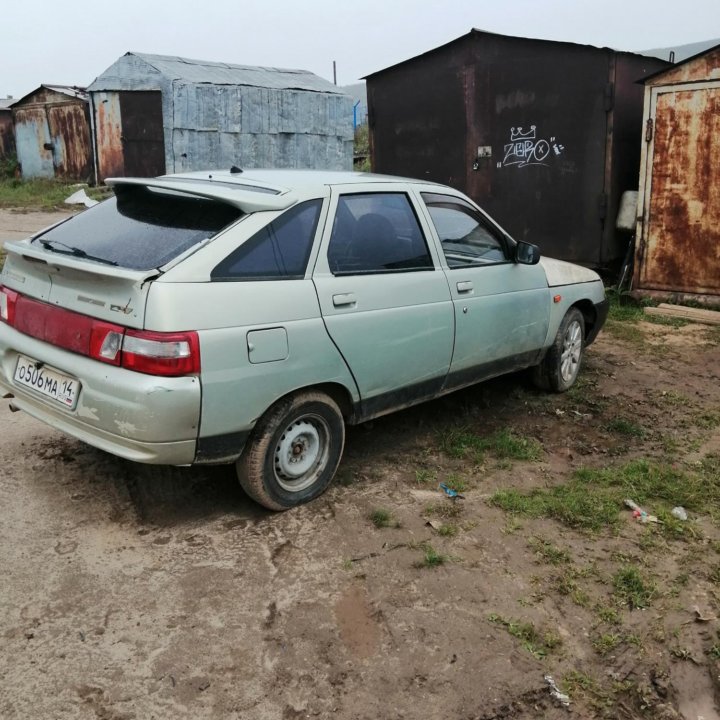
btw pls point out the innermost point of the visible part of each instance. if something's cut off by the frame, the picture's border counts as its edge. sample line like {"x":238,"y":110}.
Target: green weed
{"x":423,"y":477}
{"x":431,"y":557}
{"x":39,"y":193}
{"x":504,"y":444}
{"x":549,"y":552}
{"x":605,"y":643}
{"x":535,"y":642}
{"x":632,"y":589}
{"x":448,"y":530}
{"x":382,"y":518}
{"x":622,"y":426}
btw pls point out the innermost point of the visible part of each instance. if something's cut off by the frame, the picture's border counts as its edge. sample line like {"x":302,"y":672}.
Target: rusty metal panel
{"x":142,"y":133}
{"x":681,"y":236}
{"x":34,"y":143}
{"x":70,"y":133}
{"x":526,"y":127}
{"x":699,"y":69}
{"x":108,"y":132}
{"x":7,"y":134}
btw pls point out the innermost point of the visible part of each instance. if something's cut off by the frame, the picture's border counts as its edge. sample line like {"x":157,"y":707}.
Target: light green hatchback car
{"x":248,"y":316}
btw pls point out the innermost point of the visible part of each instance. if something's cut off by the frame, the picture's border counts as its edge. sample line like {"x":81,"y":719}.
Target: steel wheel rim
{"x":301,"y":453}
{"x":571,"y":351}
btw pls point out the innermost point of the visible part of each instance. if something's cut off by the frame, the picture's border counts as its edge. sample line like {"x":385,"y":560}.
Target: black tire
{"x":294,"y":451}
{"x":560,"y":368}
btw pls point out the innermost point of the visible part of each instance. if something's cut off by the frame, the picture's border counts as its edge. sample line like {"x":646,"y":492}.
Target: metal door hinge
{"x":649,"y":130}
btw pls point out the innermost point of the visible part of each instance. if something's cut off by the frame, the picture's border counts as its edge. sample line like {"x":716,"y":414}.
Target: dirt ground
{"x":19,"y":224}
{"x":133,"y":592}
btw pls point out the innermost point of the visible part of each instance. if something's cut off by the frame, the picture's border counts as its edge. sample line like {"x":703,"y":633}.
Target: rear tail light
{"x":161,"y":353}
{"x":153,"y":353}
{"x":8,"y":301}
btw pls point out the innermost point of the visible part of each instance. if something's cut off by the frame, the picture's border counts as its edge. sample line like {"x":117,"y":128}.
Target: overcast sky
{"x":72,"y":41}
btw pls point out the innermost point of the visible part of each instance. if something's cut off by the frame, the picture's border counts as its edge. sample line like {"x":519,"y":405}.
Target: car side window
{"x":279,"y":251}
{"x":376,"y":233}
{"x":465,"y":235}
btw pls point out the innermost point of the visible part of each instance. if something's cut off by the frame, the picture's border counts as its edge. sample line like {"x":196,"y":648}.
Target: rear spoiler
{"x":246,"y":200}
{"x":31,"y":253}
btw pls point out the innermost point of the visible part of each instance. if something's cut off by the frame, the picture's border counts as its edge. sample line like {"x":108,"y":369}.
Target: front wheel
{"x":294,"y":452}
{"x":559,"y":369}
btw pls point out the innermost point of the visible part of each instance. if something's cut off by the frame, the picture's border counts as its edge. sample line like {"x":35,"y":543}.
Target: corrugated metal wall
{"x":217,"y":126}
{"x":209,"y":125}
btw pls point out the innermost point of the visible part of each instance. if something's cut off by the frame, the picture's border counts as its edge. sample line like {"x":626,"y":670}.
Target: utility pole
{"x":334,"y":73}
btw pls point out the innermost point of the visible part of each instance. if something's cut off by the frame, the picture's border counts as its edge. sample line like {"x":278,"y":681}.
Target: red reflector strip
{"x":169,"y":354}
{"x":54,"y":325}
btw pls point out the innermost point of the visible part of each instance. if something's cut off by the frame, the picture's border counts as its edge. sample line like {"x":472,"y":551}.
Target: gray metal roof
{"x":72,"y":91}
{"x":682,"y":52}
{"x":202,"y":71}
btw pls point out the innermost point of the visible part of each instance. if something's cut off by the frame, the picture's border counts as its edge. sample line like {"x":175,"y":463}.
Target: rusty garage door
{"x":681,"y":249}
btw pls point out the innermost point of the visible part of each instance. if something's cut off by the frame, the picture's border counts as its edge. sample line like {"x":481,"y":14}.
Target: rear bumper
{"x":135,"y":416}
{"x":601,"y":313}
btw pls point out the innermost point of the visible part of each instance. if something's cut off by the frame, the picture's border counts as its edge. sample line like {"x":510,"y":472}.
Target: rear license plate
{"x":52,"y":384}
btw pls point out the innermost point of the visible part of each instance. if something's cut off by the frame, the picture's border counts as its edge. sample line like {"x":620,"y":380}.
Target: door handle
{"x":465,"y":287}
{"x":344,"y":300}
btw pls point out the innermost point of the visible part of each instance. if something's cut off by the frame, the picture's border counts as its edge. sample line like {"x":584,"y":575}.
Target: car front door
{"x":384,"y":299}
{"x":501,"y":307}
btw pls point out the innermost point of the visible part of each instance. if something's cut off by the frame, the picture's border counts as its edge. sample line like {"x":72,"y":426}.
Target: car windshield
{"x":139,"y":228}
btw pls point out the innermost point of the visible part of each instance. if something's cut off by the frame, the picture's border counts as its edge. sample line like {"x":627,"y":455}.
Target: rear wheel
{"x":559,"y":369}
{"x":294,"y":452}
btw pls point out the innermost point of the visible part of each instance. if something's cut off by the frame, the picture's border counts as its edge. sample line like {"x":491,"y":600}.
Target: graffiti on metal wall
{"x":526,"y":148}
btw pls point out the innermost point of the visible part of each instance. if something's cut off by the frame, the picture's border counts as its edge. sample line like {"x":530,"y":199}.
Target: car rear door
{"x":384,"y":299}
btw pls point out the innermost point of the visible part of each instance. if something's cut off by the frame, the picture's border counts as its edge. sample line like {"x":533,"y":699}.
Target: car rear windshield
{"x":139,"y":228}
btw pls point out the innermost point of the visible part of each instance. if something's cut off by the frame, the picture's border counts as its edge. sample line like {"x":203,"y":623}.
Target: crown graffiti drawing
{"x":518,"y":134}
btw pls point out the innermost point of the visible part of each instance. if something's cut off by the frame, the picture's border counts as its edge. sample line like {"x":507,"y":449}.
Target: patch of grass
{"x":571,"y":504}
{"x":2,"y":258}
{"x":608,"y":615}
{"x":593,"y":497}
{"x":504,"y":444}
{"x":707,"y":420}
{"x":535,"y":642}
{"x":423,"y":477}
{"x":448,"y":530}
{"x":623,"y":308}
{"x":431,"y":557}
{"x":606,"y":643}
{"x":675,"y":322}
{"x":624,"y":331}
{"x":714,"y":652}
{"x":549,"y":552}
{"x":39,"y":193}
{"x":382,"y":518}
{"x":449,"y":509}
{"x":600,"y":696}
{"x":566,"y":584}
{"x":622,"y":426}
{"x":632,"y":589}
{"x":455,"y":482}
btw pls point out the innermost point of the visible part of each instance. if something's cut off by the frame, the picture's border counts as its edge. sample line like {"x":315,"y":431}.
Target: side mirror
{"x":527,"y":254}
